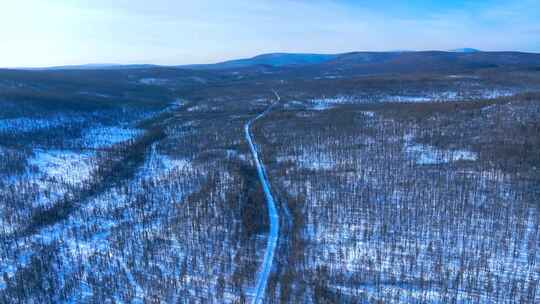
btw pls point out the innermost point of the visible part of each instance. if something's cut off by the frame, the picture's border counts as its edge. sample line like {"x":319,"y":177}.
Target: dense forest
{"x":138,"y":185}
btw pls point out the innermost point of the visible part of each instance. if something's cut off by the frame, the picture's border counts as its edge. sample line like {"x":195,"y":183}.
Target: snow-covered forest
{"x":138,"y":186}
{"x":409,"y":203}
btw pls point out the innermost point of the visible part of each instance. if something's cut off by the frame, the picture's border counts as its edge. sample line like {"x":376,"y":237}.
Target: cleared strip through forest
{"x":266,"y":267}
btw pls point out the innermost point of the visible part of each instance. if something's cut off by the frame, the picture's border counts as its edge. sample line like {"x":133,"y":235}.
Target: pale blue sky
{"x":58,"y":32}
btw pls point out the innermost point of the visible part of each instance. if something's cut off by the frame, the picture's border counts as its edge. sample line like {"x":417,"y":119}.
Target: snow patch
{"x":65,"y":165}
{"x":400,"y":98}
{"x":449,"y":96}
{"x":27,"y":124}
{"x":153,"y":81}
{"x":157,"y":165}
{"x":368,"y":113}
{"x":316,"y":161}
{"x":322,"y":104}
{"x":95,"y":94}
{"x":429,"y":155}
{"x":108,"y":136}
{"x":198,"y":108}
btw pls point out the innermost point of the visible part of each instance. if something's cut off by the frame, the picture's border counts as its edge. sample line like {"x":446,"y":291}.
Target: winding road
{"x":266,"y":267}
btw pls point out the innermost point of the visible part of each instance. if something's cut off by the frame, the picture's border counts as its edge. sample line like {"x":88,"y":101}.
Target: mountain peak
{"x":465,"y":50}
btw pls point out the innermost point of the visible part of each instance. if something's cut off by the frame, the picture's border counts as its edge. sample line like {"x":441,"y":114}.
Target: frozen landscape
{"x":280,"y":179}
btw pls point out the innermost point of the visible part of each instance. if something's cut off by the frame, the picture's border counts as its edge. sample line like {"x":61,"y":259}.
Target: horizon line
{"x":142,"y":63}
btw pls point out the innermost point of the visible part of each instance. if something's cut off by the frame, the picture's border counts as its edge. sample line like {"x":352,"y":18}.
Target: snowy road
{"x":266,"y":267}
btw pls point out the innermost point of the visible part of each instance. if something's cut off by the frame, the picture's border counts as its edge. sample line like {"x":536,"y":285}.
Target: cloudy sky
{"x":59,"y":32}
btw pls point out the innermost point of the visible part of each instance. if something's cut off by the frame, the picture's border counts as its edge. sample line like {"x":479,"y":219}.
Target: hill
{"x":273,"y":59}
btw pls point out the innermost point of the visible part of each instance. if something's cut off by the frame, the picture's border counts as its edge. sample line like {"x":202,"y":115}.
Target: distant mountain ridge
{"x":429,"y":61}
{"x":271,"y":59}
{"x":93,"y":66}
{"x":359,"y":62}
{"x":465,"y":50}
{"x":381,"y":61}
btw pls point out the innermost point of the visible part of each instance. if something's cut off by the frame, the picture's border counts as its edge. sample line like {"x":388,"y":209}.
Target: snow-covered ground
{"x":157,"y":164}
{"x":96,"y":94}
{"x":198,"y":108}
{"x":450,"y":96}
{"x":29,"y":124}
{"x":429,"y":155}
{"x":321,"y":104}
{"x":311,"y":161}
{"x":369,"y":113}
{"x":153,"y":81}
{"x":99,"y":220}
{"x":51,"y":173}
{"x":273,"y":235}
{"x":101,"y":137}
{"x":388,"y":227}
{"x":421,"y":97}
{"x":62,"y":165}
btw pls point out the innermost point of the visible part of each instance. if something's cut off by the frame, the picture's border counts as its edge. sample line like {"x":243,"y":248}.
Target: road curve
{"x":266,"y":267}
